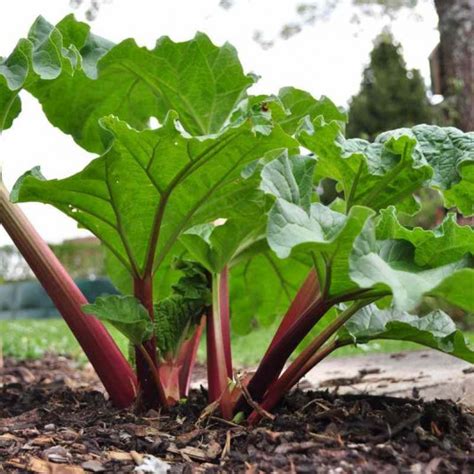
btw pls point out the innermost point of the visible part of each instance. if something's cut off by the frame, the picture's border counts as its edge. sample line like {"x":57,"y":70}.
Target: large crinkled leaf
{"x":297,"y":225}
{"x":150,"y":180}
{"x":390,"y":264}
{"x":300,"y":104}
{"x":124,"y":313}
{"x":462,"y":193}
{"x":450,"y":152}
{"x":377,"y":174}
{"x":445,"y":244}
{"x":458,"y":289}
{"x":45,"y":56}
{"x":177,"y":315}
{"x":435,"y":330}
{"x":395,"y":165}
{"x":290,"y":179}
{"x":200,"y":81}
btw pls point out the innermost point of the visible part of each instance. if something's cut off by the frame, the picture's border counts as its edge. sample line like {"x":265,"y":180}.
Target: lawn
{"x":32,"y":338}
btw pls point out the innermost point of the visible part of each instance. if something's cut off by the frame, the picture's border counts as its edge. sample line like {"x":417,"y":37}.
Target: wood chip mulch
{"x":55,"y":419}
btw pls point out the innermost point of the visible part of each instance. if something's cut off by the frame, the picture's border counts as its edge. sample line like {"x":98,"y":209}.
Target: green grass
{"x":29,"y":339}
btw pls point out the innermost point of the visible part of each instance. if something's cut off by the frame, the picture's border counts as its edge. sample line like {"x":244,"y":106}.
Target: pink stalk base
{"x":224,"y":304}
{"x":275,"y":358}
{"x":169,"y":376}
{"x":219,"y":362}
{"x":187,"y":359}
{"x":279,"y":388}
{"x":151,"y":392}
{"x":309,"y":358}
{"x":111,"y":366}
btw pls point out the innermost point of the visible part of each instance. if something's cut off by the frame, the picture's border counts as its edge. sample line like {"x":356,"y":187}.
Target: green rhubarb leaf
{"x":435,"y":330}
{"x":300,"y":104}
{"x":377,"y":174}
{"x":290,"y":179}
{"x":15,"y":69}
{"x":151,"y":185}
{"x":243,"y":218}
{"x":457,"y":289}
{"x":446,"y":243}
{"x":126,"y":314}
{"x":390,"y":265}
{"x":450,"y":153}
{"x":43,"y":57}
{"x":177,"y":316}
{"x":202,"y":82}
{"x":461,"y":194}
{"x":214,"y":245}
{"x":298,"y":227}
{"x":388,"y":171}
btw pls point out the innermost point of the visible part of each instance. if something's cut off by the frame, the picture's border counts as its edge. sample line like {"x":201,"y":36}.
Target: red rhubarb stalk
{"x":151,"y":392}
{"x":219,"y":363}
{"x":306,"y":295}
{"x":275,"y":358}
{"x":187,"y":359}
{"x":111,"y":366}
{"x":169,"y":372}
{"x":279,"y":389}
{"x":306,"y":361}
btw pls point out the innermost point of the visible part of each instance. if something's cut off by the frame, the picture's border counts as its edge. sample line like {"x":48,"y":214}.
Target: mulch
{"x":55,"y":419}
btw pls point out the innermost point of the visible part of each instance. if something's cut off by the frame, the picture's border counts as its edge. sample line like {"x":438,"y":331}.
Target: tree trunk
{"x":456,"y":28}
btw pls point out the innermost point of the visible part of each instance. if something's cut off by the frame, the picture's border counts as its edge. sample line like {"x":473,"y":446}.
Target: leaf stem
{"x":187,"y":358}
{"x":154,"y":371}
{"x":146,"y":365}
{"x":104,"y":355}
{"x":299,"y":366}
{"x":276,"y":356}
{"x":219,"y":361}
{"x":308,"y":292}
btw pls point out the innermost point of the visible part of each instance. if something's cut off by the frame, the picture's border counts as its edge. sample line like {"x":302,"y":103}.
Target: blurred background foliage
{"x":390,"y":96}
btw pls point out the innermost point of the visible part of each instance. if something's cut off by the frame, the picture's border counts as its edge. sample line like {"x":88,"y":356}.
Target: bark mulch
{"x":54,"y":419}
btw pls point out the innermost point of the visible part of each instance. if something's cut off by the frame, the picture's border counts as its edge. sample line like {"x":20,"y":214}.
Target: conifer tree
{"x":390,"y":95}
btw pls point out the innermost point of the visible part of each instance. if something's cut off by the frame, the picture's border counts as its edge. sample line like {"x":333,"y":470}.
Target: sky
{"x":325,"y":59}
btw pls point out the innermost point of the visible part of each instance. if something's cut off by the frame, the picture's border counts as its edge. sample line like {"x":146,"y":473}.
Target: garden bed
{"x":54,"y":418}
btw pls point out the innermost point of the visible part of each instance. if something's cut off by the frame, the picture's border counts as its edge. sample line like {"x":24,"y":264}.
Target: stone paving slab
{"x":428,"y":374}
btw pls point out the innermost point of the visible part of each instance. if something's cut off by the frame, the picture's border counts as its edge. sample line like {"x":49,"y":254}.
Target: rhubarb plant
{"x":224,"y":185}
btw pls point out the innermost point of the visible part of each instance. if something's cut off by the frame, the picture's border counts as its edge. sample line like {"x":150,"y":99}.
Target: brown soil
{"x":54,"y":419}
